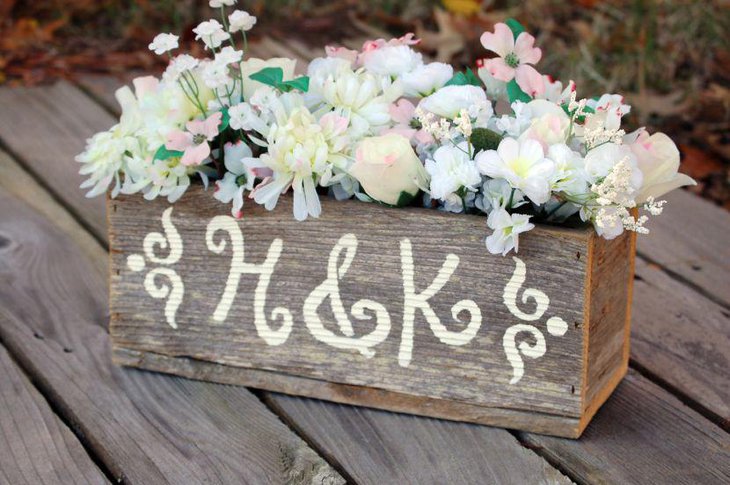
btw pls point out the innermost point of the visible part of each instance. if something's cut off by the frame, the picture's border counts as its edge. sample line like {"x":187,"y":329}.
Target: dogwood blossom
{"x":515,"y":58}
{"x":194,"y":143}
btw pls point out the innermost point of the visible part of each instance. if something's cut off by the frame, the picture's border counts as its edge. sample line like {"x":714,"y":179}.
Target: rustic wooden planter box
{"x":349,"y":308}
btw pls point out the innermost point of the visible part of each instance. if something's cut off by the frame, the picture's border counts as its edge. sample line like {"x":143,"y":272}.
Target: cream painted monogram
{"x":275,"y":328}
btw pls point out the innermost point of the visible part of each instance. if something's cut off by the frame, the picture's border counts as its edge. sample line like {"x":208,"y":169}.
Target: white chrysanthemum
{"x":452,"y":172}
{"x":392,"y":60}
{"x":300,"y":150}
{"x":163,"y":43}
{"x":241,"y":21}
{"x":426,"y":79}
{"x":450,"y":100}
{"x":506,"y":230}
{"x":103,"y":158}
{"x":211,"y":33}
{"x":522,"y":164}
{"x":358,"y":97}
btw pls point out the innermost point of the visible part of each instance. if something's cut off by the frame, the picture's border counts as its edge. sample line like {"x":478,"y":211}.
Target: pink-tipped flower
{"x":194,"y":143}
{"x":515,"y":57}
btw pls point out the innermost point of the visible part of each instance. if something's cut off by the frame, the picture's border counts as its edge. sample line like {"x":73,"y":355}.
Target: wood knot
{"x":5,"y":242}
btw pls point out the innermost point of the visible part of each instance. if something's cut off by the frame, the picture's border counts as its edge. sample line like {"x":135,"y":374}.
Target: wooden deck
{"x":67,"y":415}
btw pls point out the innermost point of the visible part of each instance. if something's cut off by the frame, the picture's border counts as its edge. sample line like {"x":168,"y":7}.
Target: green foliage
{"x":163,"y":153}
{"x":484,"y":139}
{"x":515,"y":93}
{"x":405,"y":199}
{"x":516,"y":27}
{"x":274,"y":77}
{"x":467,"y":78}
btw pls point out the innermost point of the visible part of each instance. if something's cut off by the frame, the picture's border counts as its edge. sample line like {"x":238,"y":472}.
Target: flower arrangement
{"x":382,"y":125}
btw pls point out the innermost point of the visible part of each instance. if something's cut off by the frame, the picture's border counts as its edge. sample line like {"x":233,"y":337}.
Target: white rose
{"x":254,"y":65}
{"x":387,"y":167}
{"x":426,"y":79}
{"x":658,"y":159}
{"x":450,"y":100}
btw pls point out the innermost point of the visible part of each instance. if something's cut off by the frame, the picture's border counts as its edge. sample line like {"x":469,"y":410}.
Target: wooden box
{"x":398,"y":309}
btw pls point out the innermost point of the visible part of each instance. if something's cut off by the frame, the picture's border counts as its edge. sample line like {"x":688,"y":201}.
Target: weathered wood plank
{"x":642,"y":435}
{"x":477,"y":356}
{"x":690,"y":239}
{"x":35,"y":445}
{"x":44,"y":126}
{"x":683,"y":338}
{"x":65,"y":159}
{"x":471,"y":453}
{"x":146,"y":428}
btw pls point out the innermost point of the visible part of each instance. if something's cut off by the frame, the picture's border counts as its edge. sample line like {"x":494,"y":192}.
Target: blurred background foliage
{"x":670,"y":58}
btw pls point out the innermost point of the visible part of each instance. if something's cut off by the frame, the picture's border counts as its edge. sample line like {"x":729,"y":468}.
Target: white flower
{"x":241,"y":21}
{"x":358,"y":97}
{"x":496,"y":89}
{"x":600,"y":161}
{"x":514,"y":125}
{"x":506,"y":230}
{"x":102,"y":160}
{"x":164,"y":43}
{"x":387,"y":168}
{"x":300,"y":151}
{"x":522,"y":164}
{"x":179,"y":65}
{"x":450,"y":100}
{"x":228,"y":55}
{"x":570,"y":176}
{"x":244,"y":117}
{"x":238,"y":178}
{"x":211,"y":33}
{"x":658,"y":159}
{"x":452,"y":171}
{"x":426,"y":79}
{"x":254,"y":65}
{"x":392,"y":60}
{"x":216,"y":74}
{"x":497,"y":193}
{"x":221,"y":3}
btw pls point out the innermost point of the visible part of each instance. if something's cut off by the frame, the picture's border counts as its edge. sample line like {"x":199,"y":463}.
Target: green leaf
{"x":484,"y":139}
{"x":515,"y":93}
{"x":300,"y":83}
{"x":516,"y":27}
{"x":163,"y":153}
{"x":405,"y":199}
{"x":225,"y":120}
{"x":271,"y":76}
{"x":467,"y":78}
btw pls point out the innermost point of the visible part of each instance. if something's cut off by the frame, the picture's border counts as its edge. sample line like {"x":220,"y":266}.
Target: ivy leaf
{"x":467,"y":78}
{"x":271,"y":76}
{"x":515,"y":93}
{"x":516,"y":27}
{"x":163,"y":153}
{"x":301,"y":83}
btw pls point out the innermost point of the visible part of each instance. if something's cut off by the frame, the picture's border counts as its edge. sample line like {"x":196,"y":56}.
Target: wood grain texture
{"x":471,"y":453}
{"x":682,"y":337}
{"x":36,"y":447}
{"x":46,"y":127}
{"x":145,"y":428}
{"x":239,"y":420}
{"x":473,"y":371}
{"x":690,"y":240}
{"x":642,"y":435}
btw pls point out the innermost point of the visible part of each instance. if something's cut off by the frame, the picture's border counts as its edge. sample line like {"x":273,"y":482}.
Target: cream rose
{"x":254,"y":65}
{"x":388,"y":169}
{"x":658,"y":160}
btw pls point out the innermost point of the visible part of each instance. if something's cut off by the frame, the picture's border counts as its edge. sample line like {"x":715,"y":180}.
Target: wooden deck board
{"x":145,"y":427}
{"x":36,"y":447}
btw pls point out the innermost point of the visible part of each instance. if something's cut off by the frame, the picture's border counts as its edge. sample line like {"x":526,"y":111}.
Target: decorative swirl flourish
{"x":512,"y":288}
{"x":513,"y":350}
{"x":172,"y":241}
{"x":330,"y":289}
